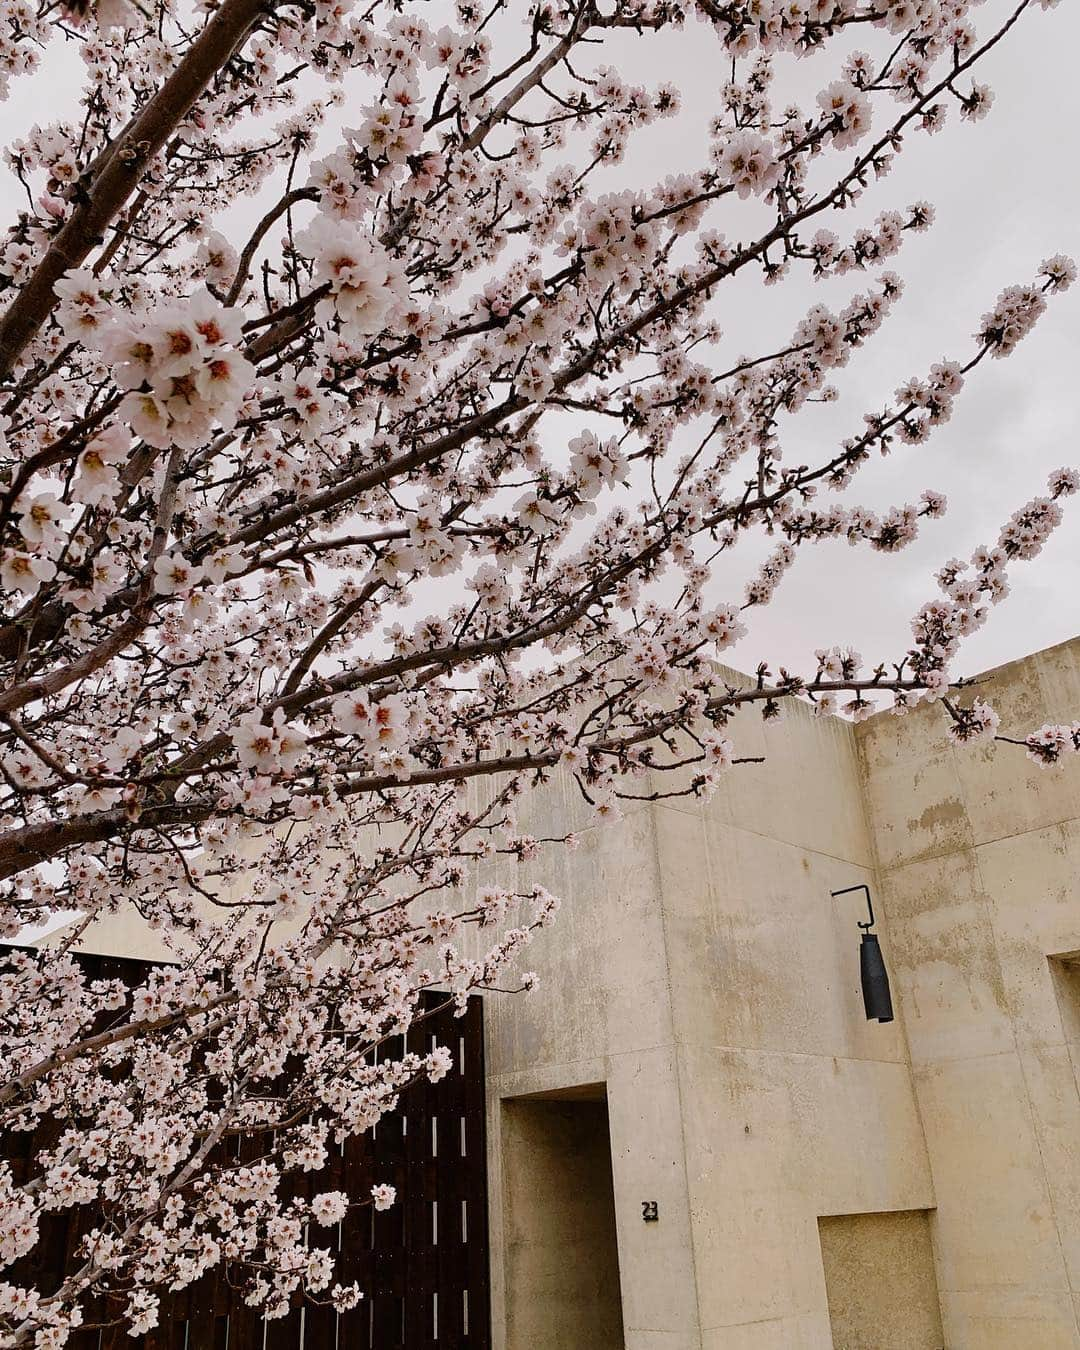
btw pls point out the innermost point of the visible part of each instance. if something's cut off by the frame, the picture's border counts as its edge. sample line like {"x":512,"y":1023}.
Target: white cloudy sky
{"x":1007,"y":195}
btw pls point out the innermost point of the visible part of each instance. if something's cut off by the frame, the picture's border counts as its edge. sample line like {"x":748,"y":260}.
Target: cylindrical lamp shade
{"x":875,"y":980}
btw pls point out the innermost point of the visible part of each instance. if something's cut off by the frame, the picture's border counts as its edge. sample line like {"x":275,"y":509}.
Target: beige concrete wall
{"x":979,"y":858}
{"x":794,"y":1106}
{"x":602,"y":1014}
{"x":701,"y":970}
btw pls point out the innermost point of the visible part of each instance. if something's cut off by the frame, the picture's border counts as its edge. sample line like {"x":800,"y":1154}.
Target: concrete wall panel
{"x":977,"y":909}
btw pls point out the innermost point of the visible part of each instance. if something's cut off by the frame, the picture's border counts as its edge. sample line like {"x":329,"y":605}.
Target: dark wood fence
{"x":423,"y":1264}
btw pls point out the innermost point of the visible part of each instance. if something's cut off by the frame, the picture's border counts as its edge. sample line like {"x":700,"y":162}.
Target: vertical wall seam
{"x":1032,"y":1113}
{"x":658,"y":872}
{"x":879,"y":874}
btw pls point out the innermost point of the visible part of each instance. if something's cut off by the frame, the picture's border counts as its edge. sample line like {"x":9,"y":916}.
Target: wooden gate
{"x":423,"y":1264}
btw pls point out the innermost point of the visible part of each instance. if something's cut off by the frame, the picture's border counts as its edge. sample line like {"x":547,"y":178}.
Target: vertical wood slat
{"x":244,"y":1326}
{"x":284,"y":1333}
{"x":475,"y":1279}
{"x":392,"y":1255}
{"x":411,"y":1201}
{"x":451,"y":1255}
{"x":320,"y":1319}
{"x":201,"y":1309}
{"x":354,"y":1262}
{"x":388,"y":1226}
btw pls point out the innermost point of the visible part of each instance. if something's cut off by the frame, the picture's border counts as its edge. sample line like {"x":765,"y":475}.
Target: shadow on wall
{"x":562,"y":1261}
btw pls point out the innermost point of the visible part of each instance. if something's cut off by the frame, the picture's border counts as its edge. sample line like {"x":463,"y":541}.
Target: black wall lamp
{"x":875,"y":978}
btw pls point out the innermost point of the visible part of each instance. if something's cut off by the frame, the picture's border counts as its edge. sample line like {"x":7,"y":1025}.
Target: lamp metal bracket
{"x":848,"y":890}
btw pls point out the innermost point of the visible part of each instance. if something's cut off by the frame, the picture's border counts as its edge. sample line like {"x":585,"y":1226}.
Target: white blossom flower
{"x":383,"y":1196}
{"x":173,"y":573}
{"x":41,"y":521}
{"x":329,"y":1207}
{"x":365,"y":285}
{"x":25,"y":572}
{"x":256,"y":745}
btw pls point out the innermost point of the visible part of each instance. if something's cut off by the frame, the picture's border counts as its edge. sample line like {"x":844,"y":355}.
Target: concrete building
{"x":698,"y":1050}
{"x":696,"y":1139}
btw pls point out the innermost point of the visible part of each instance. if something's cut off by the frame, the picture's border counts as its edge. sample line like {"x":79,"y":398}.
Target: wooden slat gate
{"x":423,"y":1264}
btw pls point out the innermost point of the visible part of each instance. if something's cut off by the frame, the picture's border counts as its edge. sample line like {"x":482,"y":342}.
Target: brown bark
{"x":115,"y":175}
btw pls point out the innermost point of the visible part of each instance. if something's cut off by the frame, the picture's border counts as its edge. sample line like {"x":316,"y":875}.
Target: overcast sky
{"x":1007,"y":195}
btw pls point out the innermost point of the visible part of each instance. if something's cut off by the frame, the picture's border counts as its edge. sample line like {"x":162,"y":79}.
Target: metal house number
{"x":650,"y":1211}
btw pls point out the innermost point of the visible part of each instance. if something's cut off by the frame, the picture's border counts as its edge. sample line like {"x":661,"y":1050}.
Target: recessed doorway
{"x":561,"y":1254}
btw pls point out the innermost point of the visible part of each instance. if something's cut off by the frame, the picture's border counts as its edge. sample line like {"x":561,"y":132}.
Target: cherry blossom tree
{"x":363,"y":438}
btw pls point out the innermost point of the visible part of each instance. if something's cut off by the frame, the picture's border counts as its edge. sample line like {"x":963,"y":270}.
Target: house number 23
{"x":650,"y":1211}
